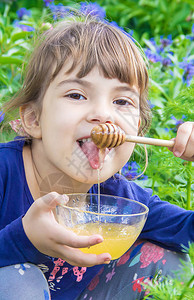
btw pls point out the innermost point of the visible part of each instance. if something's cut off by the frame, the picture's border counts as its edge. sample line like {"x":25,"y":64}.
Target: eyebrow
{"x":76,"y":80}
{"x":89,"y":84}
{"x":127,"y":89}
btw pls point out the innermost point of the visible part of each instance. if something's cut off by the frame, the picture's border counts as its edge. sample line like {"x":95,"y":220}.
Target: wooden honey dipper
{"x":110,"y":135}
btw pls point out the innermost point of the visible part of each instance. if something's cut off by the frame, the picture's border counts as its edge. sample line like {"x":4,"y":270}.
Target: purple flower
{"x":188,"y":67}
{"x":159,"y":53}
{"x":157,"y":49}
{"x":144,"y":177}
{"x":178,"y":121}
{"x":114,"y":24}
{"x":153,"y":42}
{"x":59,"y":11}
{"x":47,"y":2}
{"x":1,"y":116}
{"x":166,"y":41}
{"x":23,"y":12}
{"x":151,"y":105}
{"x":153,"y":57}
{"x":166,"y":62}
{"x":94,"y":9}
{"x":128,"y":173}
{"x":23,"y":26}
{"x":131,"y":170}
{"x":134,"y":165}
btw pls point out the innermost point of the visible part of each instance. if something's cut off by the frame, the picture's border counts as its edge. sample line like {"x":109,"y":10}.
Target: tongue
{"x":93,"y":154}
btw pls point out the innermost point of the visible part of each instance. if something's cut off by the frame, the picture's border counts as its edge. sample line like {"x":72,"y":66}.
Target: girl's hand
{"x":52,"y":239}
{"x":184,"y":142}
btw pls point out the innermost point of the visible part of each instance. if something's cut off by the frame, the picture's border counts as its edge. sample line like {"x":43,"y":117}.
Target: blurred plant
{"x":93,"y":8}
{"x":188,"y":67}
{"x":171,"y":100}
{"x":151,"y":17}
{"x":181,"y":287}
{"x":16,"y":31}
{"x":13,"y":47}
{"x":47,"y":2}
{"x":147,"y":17}
{"x":58,"y":11}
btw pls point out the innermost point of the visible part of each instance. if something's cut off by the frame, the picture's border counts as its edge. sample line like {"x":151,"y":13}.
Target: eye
{"x":76,"y":96}
{"x":123,"y":102}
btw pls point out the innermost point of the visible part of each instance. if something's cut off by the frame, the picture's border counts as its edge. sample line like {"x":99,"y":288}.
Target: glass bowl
{"x":119,"y":220}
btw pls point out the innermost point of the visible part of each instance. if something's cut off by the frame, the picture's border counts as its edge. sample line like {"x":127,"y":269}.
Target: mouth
{"x":94,"y":155}
{"x":83,"y":140}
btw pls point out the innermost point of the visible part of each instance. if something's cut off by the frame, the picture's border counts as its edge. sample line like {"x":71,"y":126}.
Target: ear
{"x":30,"y":120}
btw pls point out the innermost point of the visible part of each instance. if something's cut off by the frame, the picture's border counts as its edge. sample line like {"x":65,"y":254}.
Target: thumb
{"x":51,"y":200}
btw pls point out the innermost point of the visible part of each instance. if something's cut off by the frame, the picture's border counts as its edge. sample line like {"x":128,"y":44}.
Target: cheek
{"x":127,"y":150}
{"x":57,"y":121}
{"x":123,"y":154}
{"x":129,"y":122}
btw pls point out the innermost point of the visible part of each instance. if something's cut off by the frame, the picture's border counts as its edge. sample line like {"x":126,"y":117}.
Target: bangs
{"x":104,"y":46}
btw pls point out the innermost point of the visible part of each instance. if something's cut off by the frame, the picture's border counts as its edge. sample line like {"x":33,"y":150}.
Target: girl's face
{"x":71,"y":107}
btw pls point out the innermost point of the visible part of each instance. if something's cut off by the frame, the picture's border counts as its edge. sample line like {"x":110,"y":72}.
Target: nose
{"x":100,"y":114}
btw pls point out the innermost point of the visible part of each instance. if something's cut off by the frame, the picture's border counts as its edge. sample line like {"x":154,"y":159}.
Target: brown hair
{"x":87,"y":42}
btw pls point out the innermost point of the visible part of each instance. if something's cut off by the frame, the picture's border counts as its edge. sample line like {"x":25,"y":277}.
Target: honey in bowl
{"x":118,"y":238}
{"x":117,"y":219}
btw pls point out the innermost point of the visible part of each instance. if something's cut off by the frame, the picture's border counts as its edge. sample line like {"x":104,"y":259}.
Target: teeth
{"x":85,"y":140}
{"x":82,"y":141}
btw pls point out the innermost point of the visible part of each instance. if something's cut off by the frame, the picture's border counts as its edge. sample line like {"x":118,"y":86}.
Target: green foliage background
{"x":170,"y":94}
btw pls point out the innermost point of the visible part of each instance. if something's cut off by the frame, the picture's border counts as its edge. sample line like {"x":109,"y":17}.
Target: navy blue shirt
{"x":167,"y":225}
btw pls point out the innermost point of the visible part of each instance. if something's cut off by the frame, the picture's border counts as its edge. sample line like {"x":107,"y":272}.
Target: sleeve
{"x":16,"y":247}
{"x":168,"y":225}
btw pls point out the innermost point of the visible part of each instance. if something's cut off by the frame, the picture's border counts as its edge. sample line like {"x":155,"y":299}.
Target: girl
{"x":82,"y":73}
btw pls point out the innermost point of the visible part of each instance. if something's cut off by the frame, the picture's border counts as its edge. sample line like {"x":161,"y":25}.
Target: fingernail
{"x":177,"y":153}
{"x":99,"y":240}
{"x":95,"y":240}
{"x":107,"y":261}
{"x":63,"y":199}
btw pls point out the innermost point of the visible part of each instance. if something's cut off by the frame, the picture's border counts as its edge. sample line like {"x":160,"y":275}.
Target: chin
{"x":104,"y":175}
{"x":91,"y":176}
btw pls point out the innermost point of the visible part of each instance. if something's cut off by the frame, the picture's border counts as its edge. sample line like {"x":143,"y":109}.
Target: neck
{"x":47,"y":181}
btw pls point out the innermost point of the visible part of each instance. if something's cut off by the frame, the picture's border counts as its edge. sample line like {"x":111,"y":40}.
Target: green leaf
{"x":10,"y":60}
{"x":4,"y":79}
{"x":2,"y":21}
{"x":20,"y":35}
{"x":158,"y":86}
{"x":1,"y":36}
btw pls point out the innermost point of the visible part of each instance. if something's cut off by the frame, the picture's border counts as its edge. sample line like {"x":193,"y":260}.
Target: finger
{"x":77,"y":258}
{"x":51,"y":200}
{"x":71,"y":239}
{"x":182,"y":138}
{"x":189,"y":151}
{"x":188,"y":154}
